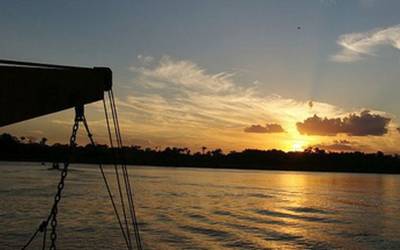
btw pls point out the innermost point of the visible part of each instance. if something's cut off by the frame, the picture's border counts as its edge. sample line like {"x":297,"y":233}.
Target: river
{"x":189,"y":208}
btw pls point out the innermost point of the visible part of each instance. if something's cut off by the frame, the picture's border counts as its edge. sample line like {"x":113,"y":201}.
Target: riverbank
{"x":311,"y":159}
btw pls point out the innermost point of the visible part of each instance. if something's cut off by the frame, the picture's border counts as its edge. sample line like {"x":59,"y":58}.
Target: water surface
{"x":187,"y":208}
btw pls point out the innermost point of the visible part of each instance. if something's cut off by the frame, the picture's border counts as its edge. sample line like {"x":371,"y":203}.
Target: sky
{"x":223,"y":74}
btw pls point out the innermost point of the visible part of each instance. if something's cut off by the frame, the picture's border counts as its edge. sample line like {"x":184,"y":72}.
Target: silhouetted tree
{"x":311,"y":159}
{"x":43,"y":141}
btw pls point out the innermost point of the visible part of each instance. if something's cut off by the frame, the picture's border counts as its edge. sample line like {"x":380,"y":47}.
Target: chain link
{"x":60,"y":187}
{"x":52,"y":218}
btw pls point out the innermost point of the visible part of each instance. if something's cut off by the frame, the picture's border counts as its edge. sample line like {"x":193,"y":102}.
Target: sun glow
{"x":298,"y":146}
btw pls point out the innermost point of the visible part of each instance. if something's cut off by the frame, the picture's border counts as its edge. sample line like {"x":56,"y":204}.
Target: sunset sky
{"x":223,"y":74}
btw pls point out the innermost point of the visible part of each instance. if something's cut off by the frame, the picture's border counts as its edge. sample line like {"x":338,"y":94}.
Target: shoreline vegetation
{"x":311,"y":159}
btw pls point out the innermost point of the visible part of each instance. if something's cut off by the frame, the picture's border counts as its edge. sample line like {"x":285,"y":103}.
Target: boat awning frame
{"x":29,"y":90}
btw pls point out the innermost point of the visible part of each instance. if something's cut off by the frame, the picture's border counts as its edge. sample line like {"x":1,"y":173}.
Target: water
{"x":207,"y":208}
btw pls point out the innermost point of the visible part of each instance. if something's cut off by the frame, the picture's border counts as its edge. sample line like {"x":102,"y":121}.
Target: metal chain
{"x":60,"y":187}
{"x":52,"y":218}
{"x":53,"y":212}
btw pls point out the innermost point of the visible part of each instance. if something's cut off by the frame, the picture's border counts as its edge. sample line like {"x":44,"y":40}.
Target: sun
{"x":297,"y":146}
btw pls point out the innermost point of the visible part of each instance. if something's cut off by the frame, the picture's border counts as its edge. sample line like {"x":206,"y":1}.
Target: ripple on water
{"x":222,"y":212}
{"x":148,"y":177}
{"x":163,"y":218}
{"x":260,"y":195}
{"x":246,"y":219}
{"x":265,"y":233}
{"x":242,"y":244}
{"x":263,"y":220}
{"x":208,"y":214}
{"x":169,"y":237}
{"x":198,"y":217}
{"x":83,"y":229}
{"x":171,"y":194}
{"x":309,"y":210}
{"x":213,"y":233}
{"x":284,"y":239}
{"x":295,"y":216}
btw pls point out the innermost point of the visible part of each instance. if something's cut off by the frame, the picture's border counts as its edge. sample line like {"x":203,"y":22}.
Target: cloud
{"x":268,"y":128}
{"x":337,"y":146}
{"x":342,"y":142}
{"x":178,"y":103}
{"x":353,"y":125}
{"x":171,"y":73}
{"x":145,"y":59}
{"x":174,"y":102}
{"x":356,"y":46}
{"x":172,"y":92}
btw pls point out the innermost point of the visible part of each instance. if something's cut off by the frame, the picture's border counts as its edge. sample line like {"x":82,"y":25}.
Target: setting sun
{"x":298,"y":146}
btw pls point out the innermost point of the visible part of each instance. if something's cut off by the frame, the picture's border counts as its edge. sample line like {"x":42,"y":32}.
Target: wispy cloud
{"x":172,"y":102}
{"x":356,"y":46}
{"x":179,"y":102}
{"x":183,"y":90}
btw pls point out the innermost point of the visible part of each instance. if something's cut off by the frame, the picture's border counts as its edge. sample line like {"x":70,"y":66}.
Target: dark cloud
{"x":354,"y":125}
{"x":343,"y":141}
{"x":268,"y":128}
{"x":337,"y":146}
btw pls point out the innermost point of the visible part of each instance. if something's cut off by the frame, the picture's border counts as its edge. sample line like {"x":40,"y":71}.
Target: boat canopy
{"x":29,"y":90}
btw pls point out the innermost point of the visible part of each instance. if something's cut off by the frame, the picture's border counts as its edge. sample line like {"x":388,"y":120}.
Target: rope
{"x":117,"y":174}
{"x":127,"y":241}
{"x":31,"y":239}
{"x":44,"y":237}
{"x":124,"y":169}
{"x":52,"y":217}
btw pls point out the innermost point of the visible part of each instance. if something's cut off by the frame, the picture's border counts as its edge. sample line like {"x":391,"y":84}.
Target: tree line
{"x":312,"y":159}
